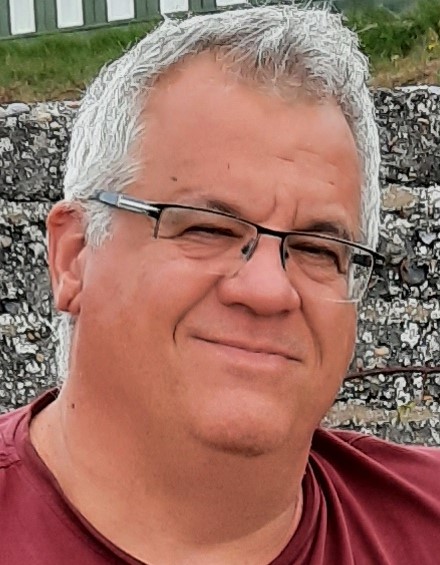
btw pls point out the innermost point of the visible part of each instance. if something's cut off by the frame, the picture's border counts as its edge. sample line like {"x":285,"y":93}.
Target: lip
{"x":252,"y":349}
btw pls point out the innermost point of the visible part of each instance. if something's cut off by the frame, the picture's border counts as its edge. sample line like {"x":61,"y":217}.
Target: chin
{"x":241,"y":447}
{"x":246,"y":435}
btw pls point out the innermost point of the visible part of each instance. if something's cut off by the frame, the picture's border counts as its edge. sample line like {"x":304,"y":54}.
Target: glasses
{"x":327,"y":267}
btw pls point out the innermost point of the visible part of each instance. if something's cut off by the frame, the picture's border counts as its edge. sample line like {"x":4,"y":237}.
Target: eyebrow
{"x":212,"y":204}
{"x":220,"y":206}
{"x":326,"y":227}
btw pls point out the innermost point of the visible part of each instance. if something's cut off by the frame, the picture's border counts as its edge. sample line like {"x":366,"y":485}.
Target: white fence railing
{"x":23,"y":17}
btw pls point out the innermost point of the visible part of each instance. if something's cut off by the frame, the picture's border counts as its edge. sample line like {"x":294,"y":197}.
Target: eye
{"x":320,"y":254}
{"x":207,"y":230}
{"x":202,"y":226}
{"x":319,"y":251}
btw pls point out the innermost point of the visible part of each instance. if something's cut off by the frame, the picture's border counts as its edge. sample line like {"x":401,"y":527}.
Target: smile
{"x":252,"y":350}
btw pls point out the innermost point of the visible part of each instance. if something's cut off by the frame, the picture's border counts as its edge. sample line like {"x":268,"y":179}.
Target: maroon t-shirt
{"x":366,"y":502}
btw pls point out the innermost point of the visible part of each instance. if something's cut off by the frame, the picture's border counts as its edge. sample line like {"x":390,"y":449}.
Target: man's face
{"x":185,"y":349}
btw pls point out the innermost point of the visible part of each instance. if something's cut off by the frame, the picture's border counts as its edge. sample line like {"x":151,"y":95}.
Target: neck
{"x":197,"y":504}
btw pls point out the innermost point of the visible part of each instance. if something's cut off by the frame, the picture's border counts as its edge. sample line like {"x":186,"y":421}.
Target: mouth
{"x":251,"y":348}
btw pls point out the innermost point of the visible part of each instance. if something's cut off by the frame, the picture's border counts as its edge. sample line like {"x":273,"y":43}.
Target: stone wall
{"x":398,"y":322}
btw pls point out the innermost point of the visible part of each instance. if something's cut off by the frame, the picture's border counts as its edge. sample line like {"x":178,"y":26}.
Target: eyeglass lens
{"x":330,"y":269}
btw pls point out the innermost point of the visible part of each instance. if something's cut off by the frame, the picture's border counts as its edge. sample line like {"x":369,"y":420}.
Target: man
{"x":219,"y":228}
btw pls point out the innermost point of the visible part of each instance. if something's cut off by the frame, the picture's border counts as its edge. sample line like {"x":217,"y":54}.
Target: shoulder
{"x":412,"y":464}
{"x":375,"y":448}
{"x":9,"y":426}
{"x":14,"y":427}
{"x":378,"y":448}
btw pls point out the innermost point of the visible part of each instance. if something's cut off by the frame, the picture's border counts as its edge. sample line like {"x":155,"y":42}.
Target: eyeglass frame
{"x":155,"y":210}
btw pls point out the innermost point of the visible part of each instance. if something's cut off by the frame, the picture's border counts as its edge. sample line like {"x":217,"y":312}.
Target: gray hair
{"x":274,"y":46}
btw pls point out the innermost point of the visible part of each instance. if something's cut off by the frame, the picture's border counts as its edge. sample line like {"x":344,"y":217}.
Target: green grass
{"x":385,"y":34}
{"x":60,"y":66}
{"x":404,"y":48}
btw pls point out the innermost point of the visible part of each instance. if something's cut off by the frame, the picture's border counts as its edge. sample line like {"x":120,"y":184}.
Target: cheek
{"x":144,"y":294}
{"x":343,"y":338}
{"x":334,"y":331}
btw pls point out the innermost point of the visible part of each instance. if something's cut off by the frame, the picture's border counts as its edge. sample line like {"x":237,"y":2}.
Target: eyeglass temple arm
{"x":123,"y":202}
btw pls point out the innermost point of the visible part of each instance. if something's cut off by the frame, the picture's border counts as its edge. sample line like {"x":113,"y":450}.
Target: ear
{"x":66,"y":240}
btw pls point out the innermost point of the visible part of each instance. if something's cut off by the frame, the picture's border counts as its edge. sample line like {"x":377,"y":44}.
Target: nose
{"x":261,"y":284}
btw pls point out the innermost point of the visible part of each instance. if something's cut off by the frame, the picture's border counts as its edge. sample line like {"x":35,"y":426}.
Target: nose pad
{"x":248,"y":250}
{"x":284,"y":254}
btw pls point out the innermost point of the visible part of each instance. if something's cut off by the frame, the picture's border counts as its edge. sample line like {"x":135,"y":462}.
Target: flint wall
{"x":398,"y":323}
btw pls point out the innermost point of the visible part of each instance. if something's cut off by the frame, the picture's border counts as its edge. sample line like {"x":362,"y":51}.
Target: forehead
{"x":208,"y":134}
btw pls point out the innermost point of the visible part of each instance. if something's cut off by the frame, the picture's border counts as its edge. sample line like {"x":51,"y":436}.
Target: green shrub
{"x":426,"y":15}
{"x":385,"y":34}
